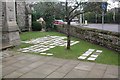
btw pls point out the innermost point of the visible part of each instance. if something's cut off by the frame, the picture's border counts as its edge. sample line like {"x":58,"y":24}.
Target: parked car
{"x":58,"y":22}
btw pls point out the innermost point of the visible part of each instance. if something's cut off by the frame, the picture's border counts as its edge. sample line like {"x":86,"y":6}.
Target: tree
{"x":94,"y":7}
{"x":49,"y":11}
{"x":71,"y":12}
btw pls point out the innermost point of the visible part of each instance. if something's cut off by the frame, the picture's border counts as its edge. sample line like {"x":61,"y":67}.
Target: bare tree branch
{"x":75,"y":15}
{"x":74,"y":8}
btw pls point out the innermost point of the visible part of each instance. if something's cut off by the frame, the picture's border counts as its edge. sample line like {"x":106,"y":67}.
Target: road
{"x":107,"y":27}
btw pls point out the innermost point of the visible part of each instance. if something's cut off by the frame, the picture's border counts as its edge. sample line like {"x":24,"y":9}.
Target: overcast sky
{"x":112,"y":3}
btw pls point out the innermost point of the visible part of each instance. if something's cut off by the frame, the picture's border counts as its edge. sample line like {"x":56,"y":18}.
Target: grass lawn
{"x":107,"y":56}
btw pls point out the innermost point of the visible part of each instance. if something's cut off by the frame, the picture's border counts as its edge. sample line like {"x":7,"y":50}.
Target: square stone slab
{"x":91,"y":58}
{"x":85,"y":66}
{"x":49,"y":54}
{"x":77,"y":74}
{"x":43,"y":53}
{"x":82,"y":57}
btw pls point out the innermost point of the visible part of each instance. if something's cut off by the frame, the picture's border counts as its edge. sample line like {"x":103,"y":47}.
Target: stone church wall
{"x":0,"y":24}
{"x":20,"y":15}
{"x":14,"y":17}
{"x":9,"y":29}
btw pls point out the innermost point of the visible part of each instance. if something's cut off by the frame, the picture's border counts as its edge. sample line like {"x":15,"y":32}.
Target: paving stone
{"x":21,"y":58}
{"x":85,"y":66}
{"x":112,"y":70}
{"x":19,"y":64}
{"x":56,"y":75}
{"x":96,"y":73}
{"x":33,"y":75}
{"x":73,"y":62}
{"x":8,"y":70}
{"x":36,"y":64}
{"x":17,"y":56}
{"x":109,"y":76}
{"x":46,"y":59}
{"x":25,"y":69}
{"x":8,"y":63}
{"x":6,"y":59}
{"x":100,"y":66}
{"x":45,"y":69}
{"x":56,"y":61}
{"x":67,"y":67}
{"x":49,"y":54}
{"x":34,"y":58}
{"x":77,"y":74}
{"x":13,"y":75}
{"x":24,"y":62}
{"x":43,"y":53}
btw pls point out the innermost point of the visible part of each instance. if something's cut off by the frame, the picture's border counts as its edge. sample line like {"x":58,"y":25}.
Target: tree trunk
{"x":68,"y":35}
{"x":96,"y":17}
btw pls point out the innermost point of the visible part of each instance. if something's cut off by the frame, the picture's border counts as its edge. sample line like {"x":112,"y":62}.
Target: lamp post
{"x":104,"y":7}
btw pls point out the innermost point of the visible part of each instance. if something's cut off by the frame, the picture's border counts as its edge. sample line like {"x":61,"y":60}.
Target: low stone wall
{"x":104,"y":38}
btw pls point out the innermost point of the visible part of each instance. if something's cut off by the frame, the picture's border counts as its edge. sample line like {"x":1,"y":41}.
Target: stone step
{"x":5,"y":46}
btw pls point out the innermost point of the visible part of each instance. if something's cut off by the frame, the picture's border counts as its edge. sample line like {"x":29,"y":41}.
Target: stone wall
{"x":4,"y":30}
{"x":104,"y":38}
{"x":10,"y":29}
{"x":20,"y":15}
{"x":23,"y":15}
{"x":0,"y":24}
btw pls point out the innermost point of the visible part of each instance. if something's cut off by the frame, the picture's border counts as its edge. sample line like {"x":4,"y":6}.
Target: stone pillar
{"x":28,"y":17}
{"x":10,"y":30}
{"x":0,"y":40}
{"x":21,"y":15}
{"x":30,"y":21}
{"x":0,"y":24}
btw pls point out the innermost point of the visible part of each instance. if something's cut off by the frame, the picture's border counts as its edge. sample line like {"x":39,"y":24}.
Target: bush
{"x":36,"y":26}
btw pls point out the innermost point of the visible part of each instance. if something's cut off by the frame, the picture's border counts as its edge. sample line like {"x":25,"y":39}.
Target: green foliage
{"x":93,"y":7}
{"x":49,"y":11}
{"x":108,"y":17}
{"x":33,"y":17}
{"x":36,"y":26}
{"x":91,"y":17}
{"x":49,"y":18}
{"x":117,"y":18}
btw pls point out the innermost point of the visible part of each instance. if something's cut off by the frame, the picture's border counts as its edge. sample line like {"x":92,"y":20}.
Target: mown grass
{"x":107,"y":56}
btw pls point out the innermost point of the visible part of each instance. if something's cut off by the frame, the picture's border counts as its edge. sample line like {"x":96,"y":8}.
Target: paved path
{"x":34,"y":66}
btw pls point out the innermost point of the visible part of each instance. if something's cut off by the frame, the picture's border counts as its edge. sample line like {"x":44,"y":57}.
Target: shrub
{"x":36,"y":26}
